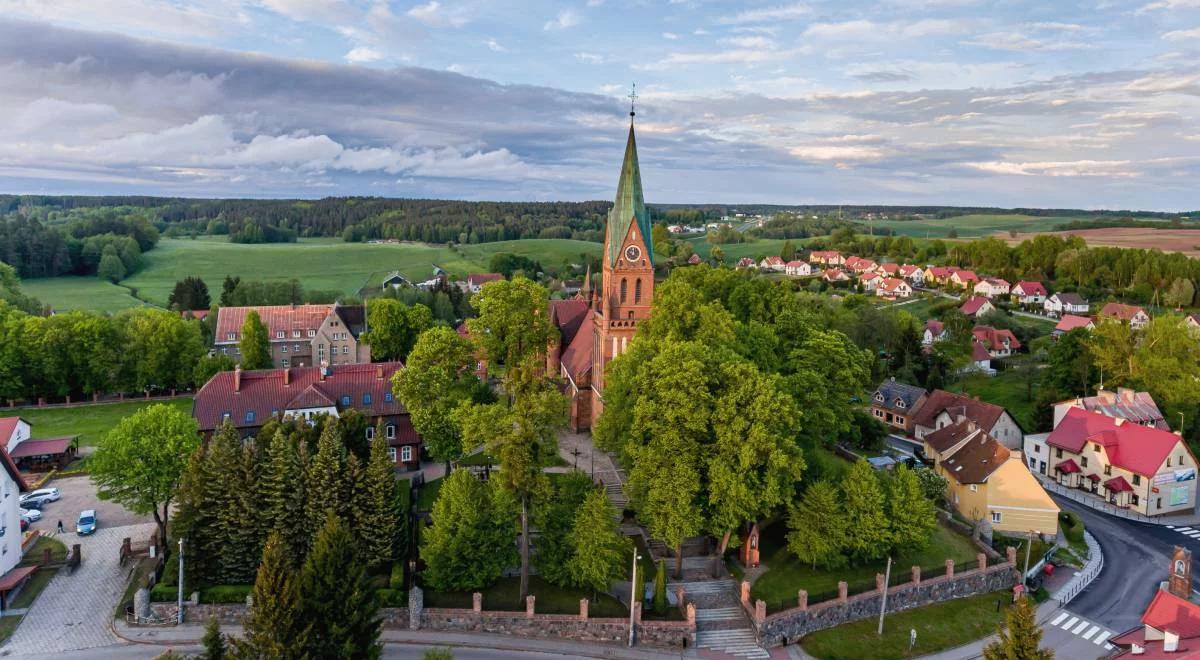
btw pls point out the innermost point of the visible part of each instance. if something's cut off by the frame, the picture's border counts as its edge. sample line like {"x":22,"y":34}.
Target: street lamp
{"x":634,"y":597}
{"x":1028,"y":547}
{"x":180,"y":594}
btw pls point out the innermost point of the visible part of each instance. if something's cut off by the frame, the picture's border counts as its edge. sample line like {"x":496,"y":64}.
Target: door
{"x":1042,"y":467}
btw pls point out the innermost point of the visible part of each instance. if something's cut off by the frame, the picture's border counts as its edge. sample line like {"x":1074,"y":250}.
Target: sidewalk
{"x":1098,"y":504}
{"x":975,"y":649}
{"x":190,"y":635}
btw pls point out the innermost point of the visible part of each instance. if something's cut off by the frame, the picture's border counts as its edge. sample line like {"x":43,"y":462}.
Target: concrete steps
{"x":741,"y":643}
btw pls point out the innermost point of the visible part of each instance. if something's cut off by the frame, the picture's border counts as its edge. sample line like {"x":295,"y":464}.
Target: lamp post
{"x":180,"y":594}
{"x":634,"y":597}
{"x":887,"y":577}
{"x":1028,"y":548}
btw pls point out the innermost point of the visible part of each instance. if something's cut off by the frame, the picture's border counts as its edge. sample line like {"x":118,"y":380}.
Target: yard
{"x":36,"y":583}
{"x":939,"y":627}
{"x":786,"y":575}
{"x":89,"y":422}
{"x":551,"y":599}
{"x":1007,"y":389}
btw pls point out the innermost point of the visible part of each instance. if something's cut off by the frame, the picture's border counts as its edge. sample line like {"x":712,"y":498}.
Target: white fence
{"x":1083,"y":578}
{"x":1097,"y":502}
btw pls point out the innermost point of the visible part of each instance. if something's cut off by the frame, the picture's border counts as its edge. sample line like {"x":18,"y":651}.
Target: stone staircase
{"x":721,"y":623}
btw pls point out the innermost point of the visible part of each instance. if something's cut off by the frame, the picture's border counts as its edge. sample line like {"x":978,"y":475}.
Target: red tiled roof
{"x":745,"y":261}
{"x":994,"y":338}
{"x":774,"y":260}
{"x":978,"y":457}
{"x":909,"y":269}
{"x":889,"y":268}
{"x":8,"y":426}
{"x":277,"y":318}
{"x":996,"y":281}
{"x":979,"y":353}
{"x":795,"y":263}
{"x":12,"y":578}
{"x":935,"y":326}
{"x":892,"y":284}
{"x":264,"y":393}
{"x":1070,"y":322}
{"x":1119,"y":311}
{"x":577,"y":359}
{"x":981,"y":412}
{"x":940,"y":272}
{"x":1118,"y":485}
{"x":694,"y":259}
{"x":479,"y":279}
{"x":1068,"y":466}
{"x":42,"y":447}
{"x":966,"y":276}
{"x":1168,"y":612}
{"x":567,"y":316}
{"x":973,"y":305}
{"x":1137,"y":448}
{"x":1024,"y":288}
{"x":867,"y":277}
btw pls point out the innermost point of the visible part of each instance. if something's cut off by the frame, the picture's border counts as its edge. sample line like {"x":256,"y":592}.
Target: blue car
{"x":86,"y":523}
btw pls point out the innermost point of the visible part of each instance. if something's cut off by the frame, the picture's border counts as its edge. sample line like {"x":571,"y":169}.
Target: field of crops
{"x":969,"y":226}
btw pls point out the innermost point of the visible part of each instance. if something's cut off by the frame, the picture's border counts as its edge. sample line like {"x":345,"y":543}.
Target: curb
{"x":1087,"y":575}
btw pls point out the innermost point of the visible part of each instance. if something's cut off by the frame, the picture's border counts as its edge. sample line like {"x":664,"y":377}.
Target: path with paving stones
{"x":75,"y":610}
{"x":721,"y":622}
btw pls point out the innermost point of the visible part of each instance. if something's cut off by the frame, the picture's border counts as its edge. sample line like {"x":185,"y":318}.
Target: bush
{"x":396,"y":581}
{"x":163,"y":593}
{"x":1072,"y":526}
{"x":226,"y":593}
{"x":392,"y":598}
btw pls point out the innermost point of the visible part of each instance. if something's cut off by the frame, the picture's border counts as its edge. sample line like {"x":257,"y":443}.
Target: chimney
{"x":287,"y":377}
{"x":379,"y":371}
{"x":237,"y":378}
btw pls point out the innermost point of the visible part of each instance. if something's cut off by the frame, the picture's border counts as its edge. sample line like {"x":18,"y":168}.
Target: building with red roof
{"x":992,"y":287}
{"x":939,"y":274}
{"x":1127,"y":404}
{"x":1135,"y":316}
{"x":826,"y":257}
{"x":914,"y":274}
{"x":247,"y":399}
{"x":475,"y":281}
{"x":1142,"y":468}
{"x":1070,"y":322}
{"x":1170,"y":626}
{"x":888,"y":269}
{"x":998,"y":342}
{"x":1029,"y":293}
{"x":14,"y":431}
{"x":942,"y":408}
{"x":797,"y":268}
{"x":935,"y":330}
{"x":299,"y":335}
{"x":11,"y":486}
{"x":964,"y":279}
{"x":976,"y":306}
{"x":570,"y":357}
{"x":745,"y":262}
{"x":772,"y":263}
{"x":893,"y":288}
{"x":834,"y":275}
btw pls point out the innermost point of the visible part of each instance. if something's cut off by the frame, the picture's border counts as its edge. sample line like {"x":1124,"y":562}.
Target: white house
{"x":893,"y":287}
{"x":14,"y":431}
{"x":1065,"y":303}
{"x":870,"y":281}
{"x":1029,"y":293}
{"x":772,"y":263}
{"x":992,"y":287}
{"x":797,"y":268}
{"x":835,"y":275}
{"x":934,"y":331}
{"x":914,"y":274}
{"x":11,"y":486}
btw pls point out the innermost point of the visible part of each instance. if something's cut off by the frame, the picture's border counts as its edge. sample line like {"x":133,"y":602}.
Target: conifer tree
{"x":1019,"y":637}
{"x":274,"y":626}
{"x":380,"y":527}
{"x":243,"y":519}
{"x":337,"y":602}
{"x":599,"y":550}
{"x":223,"y":494}
{"x":660,"y":588}
{"x":213,"y":641}
{"x":354,"y":505}
{"x":325,"y":481}
{"x":255,"y":345}
{"x":817,"y":526}
{"x":911,"y":515}
{"x":866,"y":519}
{"x":283,"y":495}
{"x":194,"y":518}
{"x":469,"y":544}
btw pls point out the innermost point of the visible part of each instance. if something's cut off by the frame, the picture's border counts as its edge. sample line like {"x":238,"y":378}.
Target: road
{"x":405,"y":651}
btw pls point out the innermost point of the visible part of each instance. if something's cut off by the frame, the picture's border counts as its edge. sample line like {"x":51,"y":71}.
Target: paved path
{"x":74,"y":612}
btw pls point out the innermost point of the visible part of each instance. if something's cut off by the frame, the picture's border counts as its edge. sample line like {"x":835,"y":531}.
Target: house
{"x":745,"y":262}
{"x":944,"y":408}
{"x":826,"y":257}
{"x":797,"y":268}
{"x":1131,"y":466}
{"x":834,"y":275}
{"x":914,"y":274}
{"x":694,"y":259}
{"x":888,"y":269}
{"x":1126,"y":404}
{"x":894,"y":403}
{"x":986,"y":481}
{"x":870,"y":281}
{"x":1069,"y":322}
{"x":998,"y":342}
{"x":936,"y":275}
{"x":14,"y":431}
{"x":11,"y":487}
{"x":1135,"y":316}
{"x":247,"y":399}
{"x":1065,"y":303}
{"x":934,"y":331}
{"x":771,"y":263}
{"x":194,"y":314}
{"x":395,"y":280}
{"x":981,"y":360}
{"x":1029,"y":293}
{"x":475,"y":281}
{"x":964,"y":279}
{"x":570,"y":355}
{"x":976,"y":307}
{"x":992,"y":287}
{"x":1192,"y":321}
{"x":893,"y":287}
{"x":1170,"y":626}
{"x":299,"y":335}
{"x":860,"y":265}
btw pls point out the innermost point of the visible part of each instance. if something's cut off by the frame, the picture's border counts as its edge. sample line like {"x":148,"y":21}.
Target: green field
{"x":971,"y":225}
{"x":87,"y":293}
{"x":1006,"y":389}
{"x":90,"y":423}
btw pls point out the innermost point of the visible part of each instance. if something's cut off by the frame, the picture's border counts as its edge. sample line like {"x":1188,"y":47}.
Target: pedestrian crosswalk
{"x":1190,"y":532}
{"x":1083,"y":629}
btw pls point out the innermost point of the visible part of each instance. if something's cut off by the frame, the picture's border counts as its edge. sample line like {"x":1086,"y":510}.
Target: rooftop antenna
{"x":633,"y":97}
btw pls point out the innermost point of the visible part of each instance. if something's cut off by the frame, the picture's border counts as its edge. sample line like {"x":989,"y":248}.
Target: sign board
{"x":1176,"y":476}
{"x":1179,"y":495}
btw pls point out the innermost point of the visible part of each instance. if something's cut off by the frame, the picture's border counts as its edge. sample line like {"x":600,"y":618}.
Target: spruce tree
{"x":337,"y":602}
{"x":380,"y":526}
{"x":1019,"y":637}
{"x":470,"y":542}
{"x":817,"y":527}
{"x":325,"y":477}
{"x":274,"y":626}
{"x":911,"y":515}
{"x":245,"y":518}
{"x":223,"y":494}
{"x":660,"y":588}
{"x":354,"y":506}
{"x":213,"y":641}
{"x":255,"y":344}
{"x":599,"y":550}
{"x":195,"y":517}
{"x":282,"y":495}
{"x":867,"y":535}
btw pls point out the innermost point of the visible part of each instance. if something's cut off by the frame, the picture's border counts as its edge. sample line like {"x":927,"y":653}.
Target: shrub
{"x":392,"y":598}
{"x":1072,"y":526}
{"x":163,"y":593}
{"x":226,"y":593}
{"x":396,"y":580}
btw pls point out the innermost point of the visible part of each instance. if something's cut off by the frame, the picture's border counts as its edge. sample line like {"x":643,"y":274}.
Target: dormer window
{"x":295,"y":333}
{"x":312,"y":333}
{"x":345,"y":400}
{"x":900,"y":403}
{"x":231,"y":336}
{"x":367,"y":399}
{"x":279,"y":334}
{"x":879,"y":397}
{"x":387,"y":396}
{"x":249,"y":416}
{"x":225,"y":417}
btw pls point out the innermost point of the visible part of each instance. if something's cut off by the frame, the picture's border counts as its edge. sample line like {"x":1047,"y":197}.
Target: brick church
{"x":597,"y":325}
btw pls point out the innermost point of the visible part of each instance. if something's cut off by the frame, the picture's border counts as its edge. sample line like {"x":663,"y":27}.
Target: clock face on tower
{"x":632,"y":253}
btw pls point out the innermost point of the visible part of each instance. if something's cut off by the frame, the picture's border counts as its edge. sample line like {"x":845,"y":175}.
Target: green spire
{"x":629,"y":205}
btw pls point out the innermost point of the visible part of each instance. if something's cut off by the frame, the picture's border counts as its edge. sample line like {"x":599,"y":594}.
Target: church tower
{"x":627,"y":287}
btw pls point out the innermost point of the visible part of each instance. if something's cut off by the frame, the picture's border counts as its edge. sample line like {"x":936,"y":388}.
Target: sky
{"x":1013,"y":103}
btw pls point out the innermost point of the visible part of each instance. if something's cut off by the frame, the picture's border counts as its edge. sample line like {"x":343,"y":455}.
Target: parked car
{"x":86,"y":523}
{"x":41,"y":496}
{"x":32,"y":515}
{"x":24,"y":524}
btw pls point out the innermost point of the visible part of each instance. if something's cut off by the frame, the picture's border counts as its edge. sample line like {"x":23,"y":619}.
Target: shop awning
{"x":1094,"y":477}
{"x":1068,"y":466}
{"x":1118,"y":485}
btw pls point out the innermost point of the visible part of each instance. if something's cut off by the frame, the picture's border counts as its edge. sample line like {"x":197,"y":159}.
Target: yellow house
{"x":987,"y":481}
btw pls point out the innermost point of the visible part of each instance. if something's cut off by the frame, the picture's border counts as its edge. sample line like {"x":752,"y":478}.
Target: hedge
{"x":396,"y":580}
{"x":392,"y":598}
{"x":226,"y":593}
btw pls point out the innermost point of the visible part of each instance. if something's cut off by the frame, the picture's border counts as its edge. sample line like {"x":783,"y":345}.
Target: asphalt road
{"x":404,"y":651}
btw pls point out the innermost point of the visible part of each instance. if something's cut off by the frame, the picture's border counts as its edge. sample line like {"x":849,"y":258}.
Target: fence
{"x":1083,"y":578}
{"x":1093,"y":501}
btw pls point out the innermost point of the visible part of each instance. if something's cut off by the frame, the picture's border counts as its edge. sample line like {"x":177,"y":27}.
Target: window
{"x":1133,"y":499}
{"x":637,"y":290}
{"x":1032,"y":462}
{"x":1096,"y":447}
{"x":345,"y":399}
{"x":1083,"y":461}
{"x":392,"y":453}
{"x":1107,"y":470}
{"x":1037,"y":449}
{"x":249,"y":416}
{"x":367,"y":399}
{"x":995,"y":516}
{"x":279,"y":334}
{"x":390,"y":431}
{"x":225,"y":416}
{"x":1058,"y":452}
{"x":295,"y":333}
{"x":312,"y":333}
{"x":1137,"y":480}
{"x":406,"y":453}
{"x":974,"y":488}
{"x":370,"y":433}
{"x":387,"y":396}
{"x":1158,"y":503}
{"x":345,"y":350}
{"x":879,"y":397}
{"x":1168,"y":461}
{"x":624,"y":288}
{"x":286,"y":364}
{"x":295,"y":348}
{"x":283,"y":349}
{"x":231,"y":336}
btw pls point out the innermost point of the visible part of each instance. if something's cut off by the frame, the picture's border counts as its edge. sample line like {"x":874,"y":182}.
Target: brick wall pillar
{"x":916,"y":575}
{"x":880,"y":582}
{"x":802,"y":600}
{"x":982,"y":559}
{"x":760,"y":611}
{"x":949,"y":568}
{"x":637,"y":612}
{"x":529,"y":605}
{"x":583,"y":609}
{"x":680,"y":595}
{"x":691,"y":614}
{"x":843,"y":591}
{"x":745,"y":592}
{"x":1011,"y":554}
{"x":477,"y":602}
{"x":68,"y":399}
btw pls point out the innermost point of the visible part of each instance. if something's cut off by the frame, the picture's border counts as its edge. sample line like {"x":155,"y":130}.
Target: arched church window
{"x":637,"y":290}
{"x":624,"y":288}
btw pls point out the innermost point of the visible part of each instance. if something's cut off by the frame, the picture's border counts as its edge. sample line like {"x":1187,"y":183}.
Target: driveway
{"x":79,"y":494}
{"x":75,"y":611}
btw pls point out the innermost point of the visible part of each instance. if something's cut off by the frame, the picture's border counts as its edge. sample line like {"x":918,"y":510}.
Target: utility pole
{"x":1028,"y":548}
{"x":887,"y":577}
{"x":180,"y":594}
{"x":634,"y":597}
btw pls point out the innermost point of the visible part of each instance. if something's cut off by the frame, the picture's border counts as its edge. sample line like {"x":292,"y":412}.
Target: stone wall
{"x":789,"y":626}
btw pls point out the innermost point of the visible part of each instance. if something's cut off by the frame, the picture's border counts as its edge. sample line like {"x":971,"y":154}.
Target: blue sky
{"x":1088,"y":104}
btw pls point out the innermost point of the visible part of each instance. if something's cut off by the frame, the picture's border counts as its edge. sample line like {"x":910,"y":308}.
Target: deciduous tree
{"x":512,"y":324}
{"x":817,"y":526}
{"x":867,"y":535}
{"x":393,"y":327}
{"x":911,"y":516}
{"x":599,"y":550}
{"x":469,"y":544}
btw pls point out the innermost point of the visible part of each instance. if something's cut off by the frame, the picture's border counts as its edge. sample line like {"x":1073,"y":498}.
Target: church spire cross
{"x":633,"y":97}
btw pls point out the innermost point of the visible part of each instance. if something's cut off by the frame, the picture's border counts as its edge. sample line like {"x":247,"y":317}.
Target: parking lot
{"x":79,"y":494}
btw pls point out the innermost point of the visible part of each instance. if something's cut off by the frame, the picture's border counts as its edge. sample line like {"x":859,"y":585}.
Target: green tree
{"x":140,"y":463}
{"x":660,"y":587}
{"x":717,"y":255}
{"x":1019,"y":637}
{"x":469,"y":544}
{"x":788,"y":252}
{"x":554,"y":517}
{"x":111,"y":268}
{"x":338,"y":605}
{"x":1181,"y":293}
{"x":911,"y":516}
{"x":380,"y":527}
{"x":274,"y":626}
{"x":817,"y":527}
{"x":394,"y":327}
{"x":160,"y":349}
{"x":213,"y":641}
{"x":209,"y":366}
{"x":255,"y":345}
{"x":325,"y":484}
{"x":867,"y":535}
{"x":933,"y":485}
{"x":283,"y":493}
{"x":189,"y":293}
{"x":599,"y":550}
{"x":512,"y":325}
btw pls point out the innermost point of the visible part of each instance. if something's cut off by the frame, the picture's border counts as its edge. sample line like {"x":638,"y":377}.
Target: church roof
{"x":629,"y":205}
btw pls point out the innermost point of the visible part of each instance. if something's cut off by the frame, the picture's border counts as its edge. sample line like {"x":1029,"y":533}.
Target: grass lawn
{"x":8,"y":625}
{"x":971,"y":226}
{"x":86,"y":293}
{"x":551,"y":599}
{"x":90,"y":422}
{"x":939,"y":627}
{"x":428,"y":494}
{"x":58,"y":551}
{"x":1006,"y":389}
{"x":786,"y":575}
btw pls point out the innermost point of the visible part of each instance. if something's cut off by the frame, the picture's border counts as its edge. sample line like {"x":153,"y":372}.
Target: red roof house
{"x":1170,"y":630}
{"x":976,"y":306}
{"x":1135,"y":316}
{"x":998,"y":342}
{"x":1070,"y":322}
{"x":1030,"y":290}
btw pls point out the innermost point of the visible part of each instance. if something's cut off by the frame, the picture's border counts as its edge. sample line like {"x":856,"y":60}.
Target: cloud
{"x":883,"y":76}
{"x":1168,"y":5}
{"x":589,"y":58}
{"x":1182,"y":35}
{"x":670,"y":36}
{"x":363,"y":55}
{"x":182,"y":19}
{"x":767,"y":14}
{"x":1078,"y":168}
{"x":566,"y":18}
{"x":748,"y":42}
{"x":838,"y":153}
{"x":494,"y":46}
{"x":866,"y":30}
{"x":1016,"y":41}
{"x":309,"y":10}
{"x":435,"y":14}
